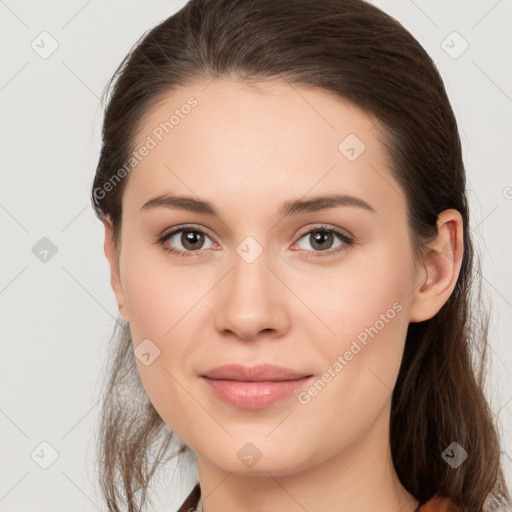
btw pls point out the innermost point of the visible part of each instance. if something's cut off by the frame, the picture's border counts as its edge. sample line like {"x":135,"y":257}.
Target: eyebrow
{"x":288,"y":208}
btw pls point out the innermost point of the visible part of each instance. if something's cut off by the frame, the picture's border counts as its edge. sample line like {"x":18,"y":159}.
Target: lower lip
{"x":254,"y":395}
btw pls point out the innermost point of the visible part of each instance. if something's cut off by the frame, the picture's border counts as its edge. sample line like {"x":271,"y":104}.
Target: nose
{"x":252,"y":301}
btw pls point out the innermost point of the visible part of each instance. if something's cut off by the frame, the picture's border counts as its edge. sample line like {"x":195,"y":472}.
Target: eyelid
{"x":321,"y":227}
{"x":185,"y":227}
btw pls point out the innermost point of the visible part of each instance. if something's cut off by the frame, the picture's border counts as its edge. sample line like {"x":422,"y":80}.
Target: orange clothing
{"x":438,"y":504}
{"x":435,"y":504}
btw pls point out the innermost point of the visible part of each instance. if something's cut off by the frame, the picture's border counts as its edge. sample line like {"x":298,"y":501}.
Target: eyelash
{"x":347,"y":241}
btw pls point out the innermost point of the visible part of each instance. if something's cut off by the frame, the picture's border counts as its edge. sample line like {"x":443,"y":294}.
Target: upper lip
{"x":260,"y":372}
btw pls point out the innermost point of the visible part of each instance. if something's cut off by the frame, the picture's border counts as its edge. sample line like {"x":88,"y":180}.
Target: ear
{"x":115,"y":278}
{"x":440,"y":268}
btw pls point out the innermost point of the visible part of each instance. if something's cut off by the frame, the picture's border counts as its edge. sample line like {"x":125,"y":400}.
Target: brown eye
{"x":185,"y":241}
{"x":321,"y":240}
{"x":192,"y":240}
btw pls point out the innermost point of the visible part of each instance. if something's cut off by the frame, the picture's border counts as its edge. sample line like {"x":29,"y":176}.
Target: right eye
{"x":190,"y":237}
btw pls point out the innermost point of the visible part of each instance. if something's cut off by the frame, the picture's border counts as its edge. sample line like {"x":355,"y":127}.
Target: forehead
{"x":233,"y":142}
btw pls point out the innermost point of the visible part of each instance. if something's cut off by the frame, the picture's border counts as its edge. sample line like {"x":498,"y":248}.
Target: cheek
{"x":365,"y":306}
{"x":367,"y":310}
{"x":368,"y":291}
{"x":164,"y":303}
{"x":160,"y":303}
{"x":158,"y":296}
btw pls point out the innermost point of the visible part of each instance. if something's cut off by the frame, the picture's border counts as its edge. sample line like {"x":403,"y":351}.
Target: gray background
{"x":57,"y":315}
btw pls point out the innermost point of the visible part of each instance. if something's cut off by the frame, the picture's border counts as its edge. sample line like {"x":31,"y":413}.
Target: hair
{"x":367,"y":58}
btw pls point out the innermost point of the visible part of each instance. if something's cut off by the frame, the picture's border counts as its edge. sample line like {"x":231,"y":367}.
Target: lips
{"x":253,"y":387}
{"x":261,"y":372}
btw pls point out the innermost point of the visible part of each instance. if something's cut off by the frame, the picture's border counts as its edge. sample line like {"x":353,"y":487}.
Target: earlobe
{"x":115,"y":279}
{"x":440,"y":268}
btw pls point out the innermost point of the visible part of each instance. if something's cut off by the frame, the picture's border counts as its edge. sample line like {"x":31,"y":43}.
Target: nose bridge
{"x":250,"y":261}
{"x":250,"y":277}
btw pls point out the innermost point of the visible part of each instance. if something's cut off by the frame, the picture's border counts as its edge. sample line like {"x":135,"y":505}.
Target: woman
{"x":286,"y":222}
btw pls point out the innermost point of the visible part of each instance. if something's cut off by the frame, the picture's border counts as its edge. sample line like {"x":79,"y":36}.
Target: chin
{"x":248,"y":458}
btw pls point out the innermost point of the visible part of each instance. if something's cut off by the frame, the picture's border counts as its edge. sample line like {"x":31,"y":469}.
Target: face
{"x":323,"y":290}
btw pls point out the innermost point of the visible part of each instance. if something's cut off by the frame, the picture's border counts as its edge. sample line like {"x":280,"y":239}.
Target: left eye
{"x":322,"y":239}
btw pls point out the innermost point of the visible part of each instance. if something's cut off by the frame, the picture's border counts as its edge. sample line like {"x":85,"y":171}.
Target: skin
{"x":248,"y":150}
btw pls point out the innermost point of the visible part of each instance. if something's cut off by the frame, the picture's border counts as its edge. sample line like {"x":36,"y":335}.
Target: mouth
{"x":260,"y":372}
{"x":254,"y":387}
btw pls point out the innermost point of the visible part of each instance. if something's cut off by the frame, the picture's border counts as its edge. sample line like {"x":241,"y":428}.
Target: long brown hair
{"x":364,"y":56}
